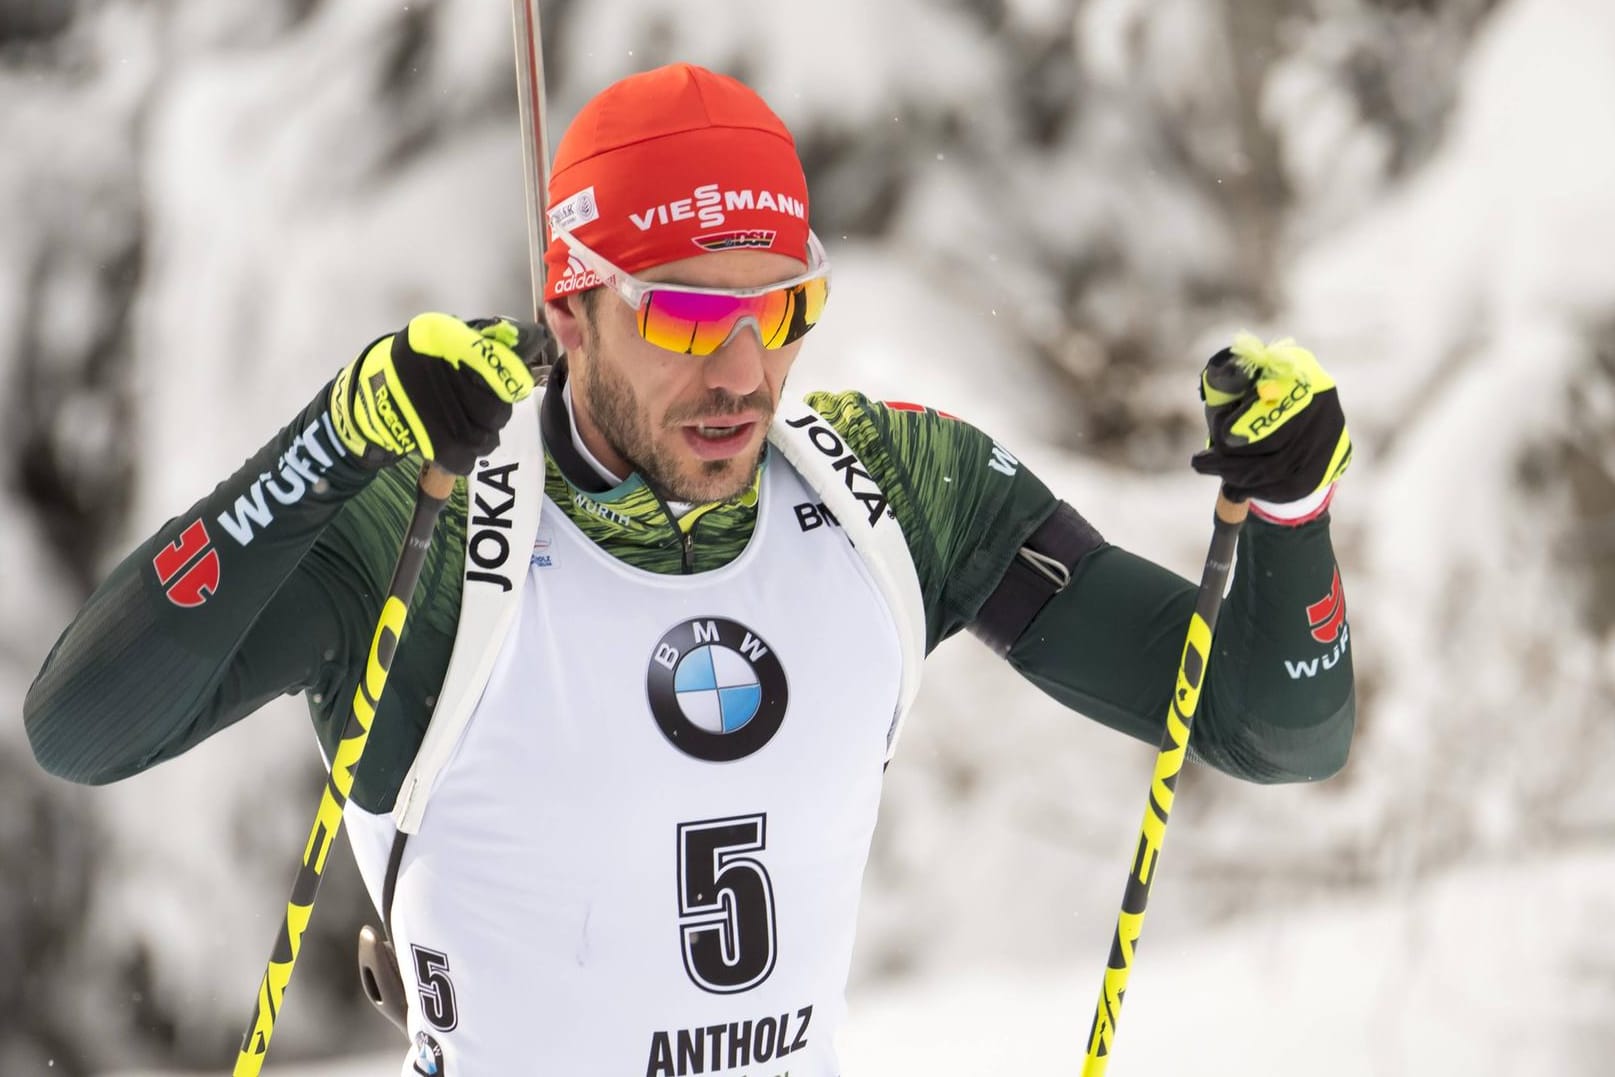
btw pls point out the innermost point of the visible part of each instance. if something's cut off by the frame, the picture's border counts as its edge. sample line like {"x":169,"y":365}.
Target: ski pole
{"x":1168,"y":764}
{"x":535,"y":140}
{"x":436,"y":485}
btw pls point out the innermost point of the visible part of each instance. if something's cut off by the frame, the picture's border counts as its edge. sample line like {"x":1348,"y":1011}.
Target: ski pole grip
{"x":437,"y":482}
{"x":1229,"y":511}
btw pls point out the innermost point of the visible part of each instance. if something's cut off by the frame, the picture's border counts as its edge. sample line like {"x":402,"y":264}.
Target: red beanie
{"x":669,"y":164}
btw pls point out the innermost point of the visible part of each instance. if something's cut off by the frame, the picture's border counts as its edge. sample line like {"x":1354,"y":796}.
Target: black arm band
{"x":1041,"y":569}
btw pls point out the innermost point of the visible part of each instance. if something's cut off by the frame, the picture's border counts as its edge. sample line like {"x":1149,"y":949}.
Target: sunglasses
{"x":699,"y":321}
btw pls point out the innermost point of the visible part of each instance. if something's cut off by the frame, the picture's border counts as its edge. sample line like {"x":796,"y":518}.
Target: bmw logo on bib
{"x":716,"y":688}
{"x":428,"y":1056}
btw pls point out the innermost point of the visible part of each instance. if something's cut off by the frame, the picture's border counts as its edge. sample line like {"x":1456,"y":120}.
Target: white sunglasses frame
{"x":633,"y":291}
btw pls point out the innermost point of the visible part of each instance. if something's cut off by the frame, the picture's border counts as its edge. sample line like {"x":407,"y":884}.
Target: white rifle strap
{"x":829,"y":466}
{"x":503,"y":498}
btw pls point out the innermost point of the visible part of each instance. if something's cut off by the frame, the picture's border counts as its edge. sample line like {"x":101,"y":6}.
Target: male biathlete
{"x":648,"y":825}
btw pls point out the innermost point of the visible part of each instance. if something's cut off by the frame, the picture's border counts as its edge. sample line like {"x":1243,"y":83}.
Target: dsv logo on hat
{"x":716,"y":689}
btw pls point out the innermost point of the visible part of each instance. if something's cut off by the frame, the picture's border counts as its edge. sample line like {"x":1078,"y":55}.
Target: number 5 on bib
{"x":726,"y":904}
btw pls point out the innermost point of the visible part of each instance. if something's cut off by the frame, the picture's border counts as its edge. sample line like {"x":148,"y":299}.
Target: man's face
{"x":693,"y":426}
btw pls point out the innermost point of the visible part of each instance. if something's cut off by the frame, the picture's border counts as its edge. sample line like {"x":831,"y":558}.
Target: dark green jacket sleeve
{"x":1278,"y":702}
{"x":271,"y":584}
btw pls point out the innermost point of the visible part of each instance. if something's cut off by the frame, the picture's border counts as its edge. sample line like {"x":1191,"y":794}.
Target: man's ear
{"x":566,"y":322}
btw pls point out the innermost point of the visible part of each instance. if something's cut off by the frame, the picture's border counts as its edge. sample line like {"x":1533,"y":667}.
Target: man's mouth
{"x":719,"y":440}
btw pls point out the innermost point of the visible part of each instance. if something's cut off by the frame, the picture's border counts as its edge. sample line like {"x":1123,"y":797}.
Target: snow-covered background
{"x":1044,"y":215}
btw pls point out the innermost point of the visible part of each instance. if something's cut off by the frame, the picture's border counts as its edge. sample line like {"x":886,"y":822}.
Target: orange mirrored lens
{"x":814,"y":294}
{"x":697,"y":323}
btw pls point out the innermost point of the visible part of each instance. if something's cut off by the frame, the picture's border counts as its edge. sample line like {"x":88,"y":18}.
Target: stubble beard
{"x":617,"y":414}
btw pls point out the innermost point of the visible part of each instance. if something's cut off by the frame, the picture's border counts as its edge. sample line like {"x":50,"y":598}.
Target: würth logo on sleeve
{"x":1326,"y":615}
{"x":188,"y":568}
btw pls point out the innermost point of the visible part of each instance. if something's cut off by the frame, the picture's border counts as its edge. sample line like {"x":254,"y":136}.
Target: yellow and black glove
{"x":441,"y":387}
{"x":1278,"y":435}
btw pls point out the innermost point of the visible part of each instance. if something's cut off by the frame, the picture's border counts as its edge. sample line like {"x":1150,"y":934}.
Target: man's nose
{"x":737,"y":366}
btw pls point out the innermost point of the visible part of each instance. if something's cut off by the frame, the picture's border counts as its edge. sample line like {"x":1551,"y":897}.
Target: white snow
{"x":835,"y":60}
{"x":1393,"y":984}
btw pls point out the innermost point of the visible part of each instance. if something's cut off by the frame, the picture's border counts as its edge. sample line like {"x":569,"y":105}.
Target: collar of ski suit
{"x":630,"y":520}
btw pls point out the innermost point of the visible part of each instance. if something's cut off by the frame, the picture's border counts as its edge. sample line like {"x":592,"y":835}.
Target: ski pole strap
{"x":1041,"y":569}
{"x":389,"y":882}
